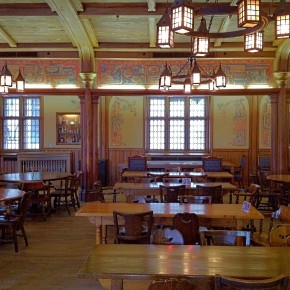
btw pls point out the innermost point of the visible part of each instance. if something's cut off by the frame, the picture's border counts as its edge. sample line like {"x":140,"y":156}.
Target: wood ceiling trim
{"x":26,"y":9}
{"x":5,"y":36}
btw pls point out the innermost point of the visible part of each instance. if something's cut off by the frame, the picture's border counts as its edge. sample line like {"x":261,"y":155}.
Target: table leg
{"x":98,"y":234}
{"x":117,"y":284}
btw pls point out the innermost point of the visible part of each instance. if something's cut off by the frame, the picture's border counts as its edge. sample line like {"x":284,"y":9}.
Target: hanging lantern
{"x":165,"y":78}
{"x":201,"y":42}
{"x":220,"y":77}
{"x":5,"y":77}
{"x":195,"y":74}
{"x":254,"y":41}
{"x":249,"y":13}
{"x":282,"y":21}
{"x":187,"y":85}
{"x":182,"y":16}
{"x":165,"y":35}
{"x":20,"y":82}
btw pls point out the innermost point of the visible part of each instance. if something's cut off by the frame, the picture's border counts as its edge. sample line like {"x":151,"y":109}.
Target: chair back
{"x":157,"y":177}
{"x":198,"y":199}
{"x":171,"y":193}
{"x":188,"y":225}
{"x":167,"y":236}
{"x":212,"y":164}
{"x":137,"y":163}
{"x":96,"y":194}
{"x":171,"y":284}
{"x":23,"y":208}
{"x":263,"y":181}
{"x":225,"y":238}
{"x":280,"y":282}
{"x":216,"y":192}
{"x":279,"y":236}
{"x":264,"y":162}
{"x":38,"y":189}
{"x":133,"y":228}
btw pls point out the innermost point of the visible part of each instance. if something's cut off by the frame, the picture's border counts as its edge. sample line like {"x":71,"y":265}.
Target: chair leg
{"x":15,"y":240}
{"x":24,"y":235}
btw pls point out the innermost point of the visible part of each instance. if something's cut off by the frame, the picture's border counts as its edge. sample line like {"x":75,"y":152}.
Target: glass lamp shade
{"x":195,"y":74}
{"x":248,"y":13}
{"x":182,"y":16}
{"x":254,"y":42}
{"x":282,"y":26}
{"x":187,"y":85}
{"x":3,"y":90}
{"x":6,"y":77}
{"x":20,"y":82}
{"x":165,"y":36}
{"x":220,"y":78}
{"x":165,"y":80}
{"x":201,"y":46}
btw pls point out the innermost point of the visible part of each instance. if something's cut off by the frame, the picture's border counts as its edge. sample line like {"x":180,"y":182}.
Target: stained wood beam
{"x":6,"y":37}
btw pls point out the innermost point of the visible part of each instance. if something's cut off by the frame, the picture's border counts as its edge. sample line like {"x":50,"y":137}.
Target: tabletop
{"x":200,"y":263}
{"x":279,"y":177}
{"x":176,"y":174}
{"x":220,"y":211}
{"x":32,"y":176}
{"x":155,"y":185}
{"x":8,"y":194}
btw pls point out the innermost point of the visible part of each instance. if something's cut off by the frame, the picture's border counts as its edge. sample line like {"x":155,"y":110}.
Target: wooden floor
{"x":57,"y":248}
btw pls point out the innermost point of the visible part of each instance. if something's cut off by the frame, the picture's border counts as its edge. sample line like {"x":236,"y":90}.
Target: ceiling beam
{"x":6,"y":37}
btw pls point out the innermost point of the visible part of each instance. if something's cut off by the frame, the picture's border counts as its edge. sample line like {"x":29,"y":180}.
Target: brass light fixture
{"x":192,"y":75}
{"x":251,"y":22}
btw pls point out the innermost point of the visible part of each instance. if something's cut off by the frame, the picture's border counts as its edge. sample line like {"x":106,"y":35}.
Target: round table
{"x":8,"y":194}
{"x":33,"y":176}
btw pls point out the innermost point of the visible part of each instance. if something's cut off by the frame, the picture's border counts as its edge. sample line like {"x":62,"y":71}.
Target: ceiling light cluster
{"x":6,"y":81}
{"x":251,"y":22}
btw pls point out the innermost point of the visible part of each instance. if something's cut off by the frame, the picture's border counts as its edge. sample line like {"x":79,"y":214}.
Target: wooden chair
{"x":239,"y":172}
{"x":12,"y":224}
{"x":96,"y":194}
{"x":40,"y":198}
{"x":264,"y":163}
{"x":198,"y":199}
{"x":155,"y":177}
{"x":174,"y":284}
{"x":137,"y":163}
{"x":282,"y":215}
{"x":167,"y":236}
{"x":279,"y":236}
{"x":133,"y":228}
{"x":250,"y":194}
{"x":225,"y":238}
{"x":188,"y":225}
{"x":279,"y":282}
{"x":212,"y":164}
{"x":216,"y":192}
{"x":171,"y":193}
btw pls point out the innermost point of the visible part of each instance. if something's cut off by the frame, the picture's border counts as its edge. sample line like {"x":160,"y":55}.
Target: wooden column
{"x":89,"y":144}
{"x":280,"y":127}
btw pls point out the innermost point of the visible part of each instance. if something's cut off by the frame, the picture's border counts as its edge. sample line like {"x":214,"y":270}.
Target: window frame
{"x":22,"y":118}
{"x":187,"y":119}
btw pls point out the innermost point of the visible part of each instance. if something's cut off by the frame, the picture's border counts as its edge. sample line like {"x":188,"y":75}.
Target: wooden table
{"x":132,"y":189}
{"x":228,"y":215}
{"x":197,"y":263}
{"x":176,"y":174}
{"x":172,"y":165}
{"x":9,"y":194}
{"x":32,"y":176}
{"x":283,"y":178}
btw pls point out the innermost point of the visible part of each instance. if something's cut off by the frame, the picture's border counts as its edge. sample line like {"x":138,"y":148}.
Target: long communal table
{"x":173,"y":165}
{"x":130,"y":189}
{"x":175,"y":174}
{"x":197,"y":263}
{"x":226,"y":215}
